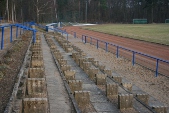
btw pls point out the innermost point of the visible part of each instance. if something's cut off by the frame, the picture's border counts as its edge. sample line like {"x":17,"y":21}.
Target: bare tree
{"x":7,"y":9}
{"x":42,"y":6}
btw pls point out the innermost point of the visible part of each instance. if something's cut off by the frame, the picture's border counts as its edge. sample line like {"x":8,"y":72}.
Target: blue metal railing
{"x":17,"y":28}
{"x":107,"y":44}
{"x":85,"y":38}
{"x":54,"y":29}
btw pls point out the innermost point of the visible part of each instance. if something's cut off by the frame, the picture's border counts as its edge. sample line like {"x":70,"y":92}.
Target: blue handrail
{"x":17,"y":26}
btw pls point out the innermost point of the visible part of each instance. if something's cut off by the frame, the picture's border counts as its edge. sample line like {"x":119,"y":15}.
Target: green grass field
{"x":156,"y":33}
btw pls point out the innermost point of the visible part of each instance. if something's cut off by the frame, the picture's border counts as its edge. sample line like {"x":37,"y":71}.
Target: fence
{"x":128,"y":53}
{"x":22,"y":29}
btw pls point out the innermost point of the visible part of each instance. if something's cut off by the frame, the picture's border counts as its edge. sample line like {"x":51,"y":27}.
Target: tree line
{"x":94,"y":11}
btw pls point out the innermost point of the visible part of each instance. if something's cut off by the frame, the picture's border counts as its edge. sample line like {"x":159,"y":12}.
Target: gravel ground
{"x":158,"y":87}
{"x":9,"y":67}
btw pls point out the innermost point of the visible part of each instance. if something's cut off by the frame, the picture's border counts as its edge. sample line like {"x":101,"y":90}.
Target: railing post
{"x":85,"y":39}
{"x":106,"y":47}
{"x":11,"y":34}
{"x":97,"y":44}
{"x":90,"y":40}
{"x":82,"y":38}
{"x":133,"y":60}
{"x":20,"y":31}
{"x":34,"y":37}
{"x":16,"y":31}
{"x":74,"y":34}
{"x":2,"y":39}
{"x":156,"y":74}
{"x":117,"y":51}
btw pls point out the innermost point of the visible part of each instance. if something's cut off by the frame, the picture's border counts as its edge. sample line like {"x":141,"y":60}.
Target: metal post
{"x":11,"y":34}
{"x":106,"y":46}
{"x":97,"y":43}
{"x":90,"y":40}
{"x":133,"y":61}
{"x":34,"y":37}
{"x":16,"y":31}
{"x":86,"y":12}
{"x":2,"y":39}
{"x":85,"y":39}
{"x":117,"y":52}
{"x":20,"y":31}
{"x":156,"y":74}
{"x":74,"y":34}
{"x":82,"y":38}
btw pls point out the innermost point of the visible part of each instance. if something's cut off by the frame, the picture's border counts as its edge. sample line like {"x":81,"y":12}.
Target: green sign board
{"x":139,"y":21}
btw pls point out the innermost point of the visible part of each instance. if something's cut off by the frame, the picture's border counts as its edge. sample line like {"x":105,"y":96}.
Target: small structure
{"x":49,"y":27}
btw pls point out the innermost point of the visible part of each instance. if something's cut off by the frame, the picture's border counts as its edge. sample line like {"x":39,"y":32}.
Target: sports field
{"x":157,"y":33}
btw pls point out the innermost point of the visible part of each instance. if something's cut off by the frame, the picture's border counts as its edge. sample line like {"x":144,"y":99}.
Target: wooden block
{"x":160,"y":109}
{"x":74,"y":55}
{"x":125,"y":101}
{"x":108,"y":72}
{"x":62,"y":62}
{"x":143,"y":98}
{"x":36,"y":87}
{"x":90,"y":59}
{"x":65,"y":67}
{"x":86,"y":66}
{"x":81,"y":60}
{"x":101,"y":67}
{"x":93,"y":72}
{"x":37,"y":63}
{"x":36,"y":72}
{"x":82,"y":98}
{"x":95,"y":63}
{"x":70,"y":74}
{"x":127,"y":85}
{"x":75,"y":85}
{"x":58,"y":55}
{"x":101,"y":79}
{"x":117,"y":79}
{"x":111,"y":90}
{"x":35,"y":105}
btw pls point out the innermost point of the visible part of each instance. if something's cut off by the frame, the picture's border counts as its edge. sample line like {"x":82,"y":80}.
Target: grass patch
{"x":156,"y":33}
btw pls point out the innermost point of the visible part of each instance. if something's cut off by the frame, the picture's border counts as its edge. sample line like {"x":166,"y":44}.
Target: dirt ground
{"x":10,"y":63}
{"x":156,"y":50}
{"x":7,"y":43}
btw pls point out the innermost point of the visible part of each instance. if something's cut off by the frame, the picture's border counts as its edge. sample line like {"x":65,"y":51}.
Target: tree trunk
{"x":79,"y":10}
{"x":12,"y":12}
{"x":7,"y":9}
{"x":37,"y":15}
{"x":152,"y":15}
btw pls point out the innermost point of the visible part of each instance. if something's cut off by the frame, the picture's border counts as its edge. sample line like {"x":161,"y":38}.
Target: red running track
{"x":156,"y":50}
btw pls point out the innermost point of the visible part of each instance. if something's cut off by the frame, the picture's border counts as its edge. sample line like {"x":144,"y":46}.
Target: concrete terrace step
{"x":98,"y":101}
{"x":57,"y":96}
